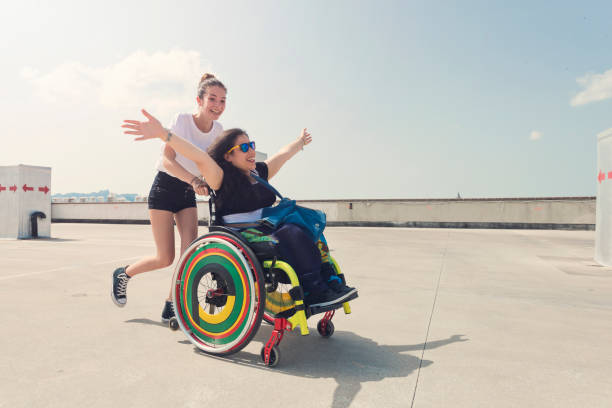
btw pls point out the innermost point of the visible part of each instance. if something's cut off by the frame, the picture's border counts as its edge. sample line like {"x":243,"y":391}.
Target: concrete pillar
{"x":603,"y":222}
{"x":25,"y":198}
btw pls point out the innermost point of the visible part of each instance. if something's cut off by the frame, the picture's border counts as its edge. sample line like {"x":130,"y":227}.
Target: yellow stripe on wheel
{"x":219,"y":317}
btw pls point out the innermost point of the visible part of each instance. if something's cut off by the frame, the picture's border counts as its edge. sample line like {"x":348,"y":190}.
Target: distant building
{"x":108,"y":196}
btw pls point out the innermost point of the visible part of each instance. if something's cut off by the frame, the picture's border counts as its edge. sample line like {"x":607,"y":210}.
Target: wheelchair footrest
{"x":312,"y":310}
{"x":322,"y":309}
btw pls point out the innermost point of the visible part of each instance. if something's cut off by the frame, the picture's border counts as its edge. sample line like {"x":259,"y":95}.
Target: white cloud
{"x":28,"y":73}
{"x":597,"y":88}
{"x":535,"y":135}
{"x":605,"y":133}
{"x":69,"y":82}
{"x":163,"y":82}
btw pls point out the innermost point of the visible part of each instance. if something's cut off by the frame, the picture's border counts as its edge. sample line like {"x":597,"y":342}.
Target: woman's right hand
{"x":146,"y":130}
{"x":200,"y":187}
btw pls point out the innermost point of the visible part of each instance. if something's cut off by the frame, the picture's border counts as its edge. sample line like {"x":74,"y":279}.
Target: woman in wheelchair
{"x":240,"y":199}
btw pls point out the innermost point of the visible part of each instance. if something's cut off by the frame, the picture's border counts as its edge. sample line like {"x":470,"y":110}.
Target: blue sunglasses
{"x":244,"y":147}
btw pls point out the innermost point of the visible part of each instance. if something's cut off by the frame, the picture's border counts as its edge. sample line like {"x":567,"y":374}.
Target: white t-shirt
{"x":184,"y":126}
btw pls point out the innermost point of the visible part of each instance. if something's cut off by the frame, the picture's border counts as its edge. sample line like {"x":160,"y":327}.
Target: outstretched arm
{"x":152,"y":129}
{"x":279,"y":159}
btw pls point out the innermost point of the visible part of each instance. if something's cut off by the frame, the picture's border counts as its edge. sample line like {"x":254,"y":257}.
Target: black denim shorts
{"x":170,"y":194}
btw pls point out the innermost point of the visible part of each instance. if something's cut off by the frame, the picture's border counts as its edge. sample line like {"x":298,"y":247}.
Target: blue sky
{"x":403,"y":99}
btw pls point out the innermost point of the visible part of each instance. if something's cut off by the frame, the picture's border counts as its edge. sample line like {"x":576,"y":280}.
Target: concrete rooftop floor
{"x":445,"y":318}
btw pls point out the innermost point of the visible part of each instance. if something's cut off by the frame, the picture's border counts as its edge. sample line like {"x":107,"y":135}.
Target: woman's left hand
{"x":147,"y":130}
{"x":305,"y":138}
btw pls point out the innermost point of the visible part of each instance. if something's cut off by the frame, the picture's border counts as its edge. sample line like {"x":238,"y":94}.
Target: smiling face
{"x":212,"y":104}
{"x":243,"y":161}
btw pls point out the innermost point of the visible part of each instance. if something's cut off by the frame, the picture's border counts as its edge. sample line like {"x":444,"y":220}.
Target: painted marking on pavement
{"x":64,"y":268}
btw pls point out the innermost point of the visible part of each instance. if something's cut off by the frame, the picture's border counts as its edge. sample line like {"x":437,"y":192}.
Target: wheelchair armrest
{"x":263,"y":250}
{"x":221,"y":228}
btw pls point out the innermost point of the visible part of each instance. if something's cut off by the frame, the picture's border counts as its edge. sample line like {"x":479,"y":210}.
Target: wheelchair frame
{"x":219,"y":271}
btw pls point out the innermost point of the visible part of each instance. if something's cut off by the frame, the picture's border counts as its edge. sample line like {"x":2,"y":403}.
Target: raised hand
{"x":150,"y":129}
{"x":305,"y":137}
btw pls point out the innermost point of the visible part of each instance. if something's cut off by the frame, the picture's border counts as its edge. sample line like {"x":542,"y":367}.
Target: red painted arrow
{"x":13,"y":188}
{"x":601,"y":177}
{"x":26,"y":188}
{"x":45,"y":189}
{"x":2,"y":188}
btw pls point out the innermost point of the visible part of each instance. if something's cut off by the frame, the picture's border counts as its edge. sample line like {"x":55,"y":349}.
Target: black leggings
{"x":297,"y":249}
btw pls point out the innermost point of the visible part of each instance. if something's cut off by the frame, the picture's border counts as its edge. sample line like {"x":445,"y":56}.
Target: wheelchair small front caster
{"x":325,"y":330}
{"x":173,"y":324}
{"x":274,"y":356}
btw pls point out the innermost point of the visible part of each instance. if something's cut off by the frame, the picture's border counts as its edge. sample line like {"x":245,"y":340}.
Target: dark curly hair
{"x":233,"y":178}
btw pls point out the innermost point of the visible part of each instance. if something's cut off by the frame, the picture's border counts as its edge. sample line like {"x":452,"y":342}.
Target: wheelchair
{"x":224,"y":287}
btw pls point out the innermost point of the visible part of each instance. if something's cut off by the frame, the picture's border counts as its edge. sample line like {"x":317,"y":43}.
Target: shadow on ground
{"x":149,"y":322}
{"x":348,"y":358}
{"x":46,"y":239}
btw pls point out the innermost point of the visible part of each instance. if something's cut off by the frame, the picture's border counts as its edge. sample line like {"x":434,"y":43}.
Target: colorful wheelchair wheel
{"x":218,"y":293}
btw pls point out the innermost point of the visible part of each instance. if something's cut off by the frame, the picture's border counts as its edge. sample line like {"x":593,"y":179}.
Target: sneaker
{"x":120,"y":281}
{"x":335,"y":283}
{"x":168,"y":312}
{"x":328,"y":297}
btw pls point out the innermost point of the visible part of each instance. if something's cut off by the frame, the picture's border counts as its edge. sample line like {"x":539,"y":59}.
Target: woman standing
{"x":172,"y":196}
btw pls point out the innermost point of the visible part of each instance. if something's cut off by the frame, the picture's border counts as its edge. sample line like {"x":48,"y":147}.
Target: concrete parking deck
{"x":445,"y":318}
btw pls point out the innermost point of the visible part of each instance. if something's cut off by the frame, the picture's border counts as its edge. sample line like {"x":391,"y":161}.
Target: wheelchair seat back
{"x":264,"y":250}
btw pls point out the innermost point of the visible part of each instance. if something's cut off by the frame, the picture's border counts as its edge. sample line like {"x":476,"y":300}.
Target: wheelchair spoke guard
{"x":218,"y":294}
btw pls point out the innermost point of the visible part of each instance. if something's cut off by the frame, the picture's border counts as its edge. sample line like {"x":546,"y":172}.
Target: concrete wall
{"x":486,"y":213}
{"x":24,"y":190}
{"x":531,"y":213}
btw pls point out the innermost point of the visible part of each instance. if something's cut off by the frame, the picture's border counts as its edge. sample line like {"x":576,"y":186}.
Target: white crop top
{"x":184,"y":126}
